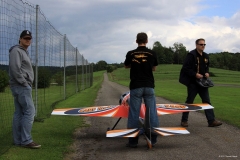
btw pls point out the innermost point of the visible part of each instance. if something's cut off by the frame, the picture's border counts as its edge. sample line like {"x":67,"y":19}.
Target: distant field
{"x":224,"y":95}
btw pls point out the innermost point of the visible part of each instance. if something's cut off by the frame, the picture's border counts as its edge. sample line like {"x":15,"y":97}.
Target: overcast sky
{"x":106,"y":29}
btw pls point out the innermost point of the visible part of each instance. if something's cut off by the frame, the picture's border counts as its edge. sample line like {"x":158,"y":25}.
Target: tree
{"x":58,"y":78}
{"x":158,"y":48}
{"x":180,"y":52}
{"x":110,"y":68}
{"x":101,"y":65}
{"x":3,"y":80}
{"x":168,"y":52}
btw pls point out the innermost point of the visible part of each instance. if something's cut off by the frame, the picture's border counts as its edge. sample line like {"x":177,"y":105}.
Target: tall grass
{"x":224,"y":95}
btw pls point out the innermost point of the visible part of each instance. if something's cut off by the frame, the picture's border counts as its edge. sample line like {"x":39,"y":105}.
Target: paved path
{"x":203,"y":143}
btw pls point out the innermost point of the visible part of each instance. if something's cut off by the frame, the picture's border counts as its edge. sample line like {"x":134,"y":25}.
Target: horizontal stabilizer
{"x":123,"y":133}
{"x":163,"y":131}
{"x":170,"y":131}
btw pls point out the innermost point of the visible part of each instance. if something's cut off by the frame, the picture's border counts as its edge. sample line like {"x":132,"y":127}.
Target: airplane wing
{"x":163,"y":131}
{"x":163,"y":109}
{"x":122,"y":110}
{"x":95,"y":111}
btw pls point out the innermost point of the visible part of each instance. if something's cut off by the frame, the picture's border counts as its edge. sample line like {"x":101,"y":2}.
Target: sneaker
{"x":184,"y":124}
{"x":154,"y":142}
{"x":215,"y":123}
{"x":132,"y":142}
{"x":32,"y":145}
{"x":131,"y":145}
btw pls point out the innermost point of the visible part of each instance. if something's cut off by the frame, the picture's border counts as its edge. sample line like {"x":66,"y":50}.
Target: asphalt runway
{"x":203,"y":143}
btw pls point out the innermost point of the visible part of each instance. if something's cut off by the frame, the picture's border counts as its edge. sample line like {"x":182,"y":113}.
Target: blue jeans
{"x":23,"y":116}
{"x":192,"y":90}
{"x":136,"y":96}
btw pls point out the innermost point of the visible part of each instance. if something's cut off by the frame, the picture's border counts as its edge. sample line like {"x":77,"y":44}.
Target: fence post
{"x":64,"y":69}
{"x":86,"y":73}
{"x":83,"y":73}
{"x":76,"y":71}
{"x":91,"y":74}
{"x":36,"y":64}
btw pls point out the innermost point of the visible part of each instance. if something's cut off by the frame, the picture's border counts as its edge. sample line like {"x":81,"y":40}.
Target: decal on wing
{"x":163,"y":109}
{"x":98,"y":111}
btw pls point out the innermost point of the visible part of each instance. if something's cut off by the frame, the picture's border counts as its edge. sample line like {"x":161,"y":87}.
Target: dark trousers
{"x":192,"y":90}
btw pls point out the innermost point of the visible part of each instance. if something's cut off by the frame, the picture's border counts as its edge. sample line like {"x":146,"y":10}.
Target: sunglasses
{"x":202,"y":44}
{"x":27,"y":38}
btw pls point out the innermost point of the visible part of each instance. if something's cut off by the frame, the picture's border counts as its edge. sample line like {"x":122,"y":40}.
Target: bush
{"x":3,"y":80}
{"x":44,"y":78}
{"x":58,"y":77}
{"x":111,"y":68}
{"x":212,"y":74}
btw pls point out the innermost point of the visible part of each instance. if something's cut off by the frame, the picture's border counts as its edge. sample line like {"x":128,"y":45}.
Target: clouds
{"x":106,"y":29}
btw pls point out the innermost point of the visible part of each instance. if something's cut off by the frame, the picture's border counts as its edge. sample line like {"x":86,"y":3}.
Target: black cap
{"x":25,"y":33}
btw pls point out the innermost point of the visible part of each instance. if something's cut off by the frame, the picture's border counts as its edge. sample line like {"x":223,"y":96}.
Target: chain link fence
{"x":60,"y":70}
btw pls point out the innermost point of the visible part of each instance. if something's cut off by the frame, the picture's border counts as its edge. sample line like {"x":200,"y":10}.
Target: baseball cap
{"x":25,"y":33}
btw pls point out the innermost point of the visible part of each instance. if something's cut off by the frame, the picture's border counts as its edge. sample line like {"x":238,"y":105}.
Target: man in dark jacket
{"x":196,"y":66}
{"x":21,"y":79}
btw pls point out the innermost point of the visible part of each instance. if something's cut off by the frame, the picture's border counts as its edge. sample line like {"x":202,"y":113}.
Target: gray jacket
{"x":20,"y":67}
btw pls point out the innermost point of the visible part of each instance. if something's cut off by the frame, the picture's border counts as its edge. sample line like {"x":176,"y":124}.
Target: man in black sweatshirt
{"x":142,"y":62}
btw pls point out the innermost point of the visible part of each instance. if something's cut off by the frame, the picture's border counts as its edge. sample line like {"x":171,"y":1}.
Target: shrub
{"x":111,"y":68}
{"x":58,"y":77}
{"x":44,"y":78}
{"x":212,"y":74}
{"x":3,"y":80}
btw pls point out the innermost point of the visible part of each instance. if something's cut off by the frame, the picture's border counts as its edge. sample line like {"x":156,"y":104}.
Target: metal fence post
{"x":76,"y":71}
{"x":91,"y":74}
{"x":36,"y":64}
{"x":64,"y":69}
{"x":86,"y":73}
{"x":83,"y":73}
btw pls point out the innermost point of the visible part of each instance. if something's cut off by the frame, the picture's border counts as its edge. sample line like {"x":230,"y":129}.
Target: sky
{"x":106,"y":29}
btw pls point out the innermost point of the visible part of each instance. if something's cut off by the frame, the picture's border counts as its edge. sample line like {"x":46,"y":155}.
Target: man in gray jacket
{"x":21,"y":79}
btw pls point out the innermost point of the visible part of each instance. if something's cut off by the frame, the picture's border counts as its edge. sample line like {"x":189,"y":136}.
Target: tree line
{"x":165,"y":55}
{"x":177,"y":54}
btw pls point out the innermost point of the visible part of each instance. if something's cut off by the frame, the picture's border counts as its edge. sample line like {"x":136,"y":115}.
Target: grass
{"x":224,"y":95}
{"x":55,"y":134}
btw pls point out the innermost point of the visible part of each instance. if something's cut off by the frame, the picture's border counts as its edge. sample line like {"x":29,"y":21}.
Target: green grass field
{"x":55,"y":134}
{"x":224,"y":95}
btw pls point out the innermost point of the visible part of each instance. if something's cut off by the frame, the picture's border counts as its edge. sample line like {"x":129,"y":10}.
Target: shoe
{"x":154,"y":142}
{"x":131,"y":145}
{"x":132,"y":142}
{"x":33,"y":145}
{"x":154,"y":139}
{"x":184,"y":124}
{"x":215,"y":123}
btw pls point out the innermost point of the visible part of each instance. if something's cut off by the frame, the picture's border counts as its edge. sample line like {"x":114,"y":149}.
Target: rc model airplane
{"x":121,"y":111}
